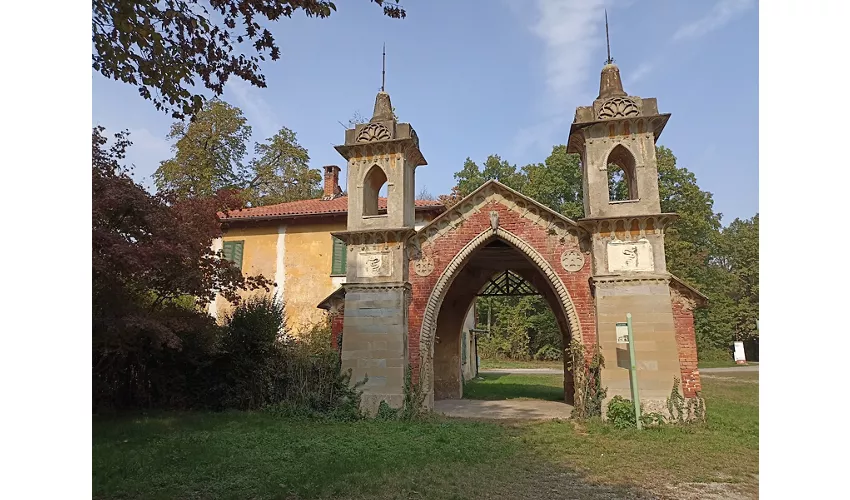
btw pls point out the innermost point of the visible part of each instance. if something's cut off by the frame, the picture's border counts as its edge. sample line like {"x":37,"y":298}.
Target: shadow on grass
{"x":254,"y":455}
{"x":501,"y":386}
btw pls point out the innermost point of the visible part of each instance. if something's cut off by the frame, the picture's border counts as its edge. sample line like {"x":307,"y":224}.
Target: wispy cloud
{"x":571,"y":33}
{"x":640,"y":72}
{"x":144,"y":140}
{"x":723,"y":12}
{"x":255,"y":108}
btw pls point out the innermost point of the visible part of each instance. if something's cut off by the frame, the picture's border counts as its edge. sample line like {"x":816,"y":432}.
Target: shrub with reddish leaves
{"x":153,"y":271}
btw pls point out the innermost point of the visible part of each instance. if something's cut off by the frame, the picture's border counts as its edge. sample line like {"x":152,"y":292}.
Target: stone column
{"x":374,"y":345}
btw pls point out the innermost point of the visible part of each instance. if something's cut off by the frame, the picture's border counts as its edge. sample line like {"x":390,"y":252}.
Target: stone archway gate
{"x":438,"y":251}
{"x":559,"y":248}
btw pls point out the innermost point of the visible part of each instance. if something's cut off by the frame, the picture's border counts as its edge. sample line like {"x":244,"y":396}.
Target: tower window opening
{"x":622,"y":175}
{"x":373,"y":185}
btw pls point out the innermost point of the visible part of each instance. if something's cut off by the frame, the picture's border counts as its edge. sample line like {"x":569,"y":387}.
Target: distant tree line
{"x":721,"y":262}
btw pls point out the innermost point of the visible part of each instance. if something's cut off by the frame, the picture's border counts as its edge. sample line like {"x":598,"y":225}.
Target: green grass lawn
{"x":719,"y":364}
{"x":493,"y":386}
{"x":489,"y":364}
{"x":253,"y":455}
{"x":496,"y":364}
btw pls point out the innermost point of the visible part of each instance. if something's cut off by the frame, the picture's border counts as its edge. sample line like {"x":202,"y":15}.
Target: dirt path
{"x":512,"y":409}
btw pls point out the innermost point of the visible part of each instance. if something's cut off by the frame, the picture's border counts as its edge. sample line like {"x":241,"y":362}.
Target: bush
{"x":316,"y":338}
{"x":621,"y":413}
{"x":493,"y":347}
{"x":548,"y":353}
{"x":265,"y":366}
{"x":133,"y":366}
{"x":250,"y":363}
{"x":714,"y":354}
{"x":587,"y":378}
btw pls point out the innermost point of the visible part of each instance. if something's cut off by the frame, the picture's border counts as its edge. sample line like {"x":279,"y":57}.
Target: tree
{"x":722,"y":263}
{"x":471,"y":176}
{"x":281,"y":171}
{"x":691,"y":240}
{"x":209,"y":152}
{"x":739,"y":256}
{"x":556,"y":183}
{"x":153,"y":271}
{"x":424,"y":194}
{"x":166,"y":47}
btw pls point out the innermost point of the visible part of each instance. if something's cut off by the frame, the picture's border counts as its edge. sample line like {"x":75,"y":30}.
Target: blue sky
{"x":495,"y":77}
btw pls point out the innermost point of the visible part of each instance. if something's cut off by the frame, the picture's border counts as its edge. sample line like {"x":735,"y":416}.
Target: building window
{"x":233,"y":252}
{"x":338,"y":259}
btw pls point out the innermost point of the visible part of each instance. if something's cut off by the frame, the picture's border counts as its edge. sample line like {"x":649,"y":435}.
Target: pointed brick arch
{"x":438,"y":293}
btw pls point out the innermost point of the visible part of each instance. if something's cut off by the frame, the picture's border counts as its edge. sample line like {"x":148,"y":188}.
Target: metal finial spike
{"x":607,"y":39}
{"x":384,"y":68}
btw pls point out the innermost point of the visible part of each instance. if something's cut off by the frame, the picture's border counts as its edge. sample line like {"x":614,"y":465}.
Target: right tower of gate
{"x":615,"y":138}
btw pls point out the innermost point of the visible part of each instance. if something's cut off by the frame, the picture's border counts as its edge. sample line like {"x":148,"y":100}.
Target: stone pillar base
{"x":374,"y":341}
{"x":648,"y":300}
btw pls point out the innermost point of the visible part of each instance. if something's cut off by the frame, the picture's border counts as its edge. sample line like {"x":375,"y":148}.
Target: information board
{"x":622,"y":333}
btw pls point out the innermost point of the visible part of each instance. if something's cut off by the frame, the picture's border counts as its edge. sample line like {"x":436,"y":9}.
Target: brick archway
{"x":435,"y":299}
{"x":554,"y":247}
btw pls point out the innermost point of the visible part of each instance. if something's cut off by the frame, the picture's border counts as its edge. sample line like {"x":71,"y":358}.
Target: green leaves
{"x":722,"y":263}
{"x":210,"y":154}
{"x":556,"y":183}
{"x":281,"y":172}
{"x":162,"y":47}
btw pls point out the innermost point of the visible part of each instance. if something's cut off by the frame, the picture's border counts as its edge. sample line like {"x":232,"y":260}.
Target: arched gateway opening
{"x":490,"y":254}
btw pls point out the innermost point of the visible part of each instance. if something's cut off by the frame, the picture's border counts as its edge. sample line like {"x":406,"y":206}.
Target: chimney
{"x":332,"y":189}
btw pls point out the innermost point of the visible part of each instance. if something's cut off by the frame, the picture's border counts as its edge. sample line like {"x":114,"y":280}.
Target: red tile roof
{"x":316,"y":207}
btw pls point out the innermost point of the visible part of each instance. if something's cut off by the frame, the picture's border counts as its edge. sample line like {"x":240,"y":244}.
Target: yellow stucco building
{"x":291,"y":244}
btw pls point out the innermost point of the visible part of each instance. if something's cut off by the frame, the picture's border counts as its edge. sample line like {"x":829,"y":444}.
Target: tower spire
{"x":607,"y":39}
{"x":610,"y":84}
{"x":384,"y":67}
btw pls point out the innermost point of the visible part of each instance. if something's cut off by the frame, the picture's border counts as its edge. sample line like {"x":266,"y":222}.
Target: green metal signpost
{"x":623,"y":337}
{"x":633,"y":370}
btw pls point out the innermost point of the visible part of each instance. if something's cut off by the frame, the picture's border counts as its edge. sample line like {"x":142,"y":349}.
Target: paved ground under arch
{"x":509,"y":409}
{"x":528,"y":409}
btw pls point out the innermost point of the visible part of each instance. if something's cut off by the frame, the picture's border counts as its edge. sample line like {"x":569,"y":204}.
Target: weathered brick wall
{"x":683,"y":319}
{"x":550,"y":246}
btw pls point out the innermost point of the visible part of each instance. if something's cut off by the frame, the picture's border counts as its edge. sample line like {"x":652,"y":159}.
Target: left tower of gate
{"x":379,"y":153}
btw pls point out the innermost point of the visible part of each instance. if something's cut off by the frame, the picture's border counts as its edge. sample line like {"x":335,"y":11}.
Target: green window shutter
{"x":338,"y":258}
{"x":463,"y":348}
{"x":233,"y":251}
